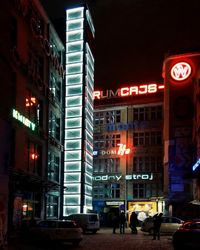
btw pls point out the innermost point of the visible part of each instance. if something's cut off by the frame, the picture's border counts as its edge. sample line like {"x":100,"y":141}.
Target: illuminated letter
{"x":96,"y":95}
{"x":151,"y":177}
{"x":145,"y":177}
{"x":134,"y":89}
{"x":152,"y":88}
{"x":124,"y":91}
{"x":118,"y":177}
{"x":128,"y":177}
{"x":144,"y":87}
{"x":104,"y":177}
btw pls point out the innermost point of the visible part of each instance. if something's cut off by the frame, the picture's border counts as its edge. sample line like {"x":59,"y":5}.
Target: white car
{"x":88,"y":222}
{"x":57,"y":231}
{"x":169,"y":225}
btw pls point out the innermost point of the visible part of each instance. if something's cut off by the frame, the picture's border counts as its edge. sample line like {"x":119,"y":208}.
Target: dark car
{"x":187,"y":236}
{"x":56,"y":231}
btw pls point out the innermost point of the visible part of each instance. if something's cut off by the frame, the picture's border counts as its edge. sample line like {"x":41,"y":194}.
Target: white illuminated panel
{"x":73,"y":123}
{"x":78,"y":144}
{"x":72,"y":166}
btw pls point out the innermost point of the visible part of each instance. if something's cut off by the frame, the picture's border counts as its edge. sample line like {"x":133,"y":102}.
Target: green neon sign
{"x":23,"y":119}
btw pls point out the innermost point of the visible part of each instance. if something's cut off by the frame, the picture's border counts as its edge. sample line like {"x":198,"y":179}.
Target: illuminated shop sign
{"x":122,"y":150}
{"x":114,"y":203}
{"x":181,"y":71}
{"x":196,"y":165}
{"x":120,"y":177}
{"x":129,"y":91}
{"x":23,"y":119}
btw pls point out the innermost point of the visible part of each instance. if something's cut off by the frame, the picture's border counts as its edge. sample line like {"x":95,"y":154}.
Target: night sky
{"x":134,"y":36}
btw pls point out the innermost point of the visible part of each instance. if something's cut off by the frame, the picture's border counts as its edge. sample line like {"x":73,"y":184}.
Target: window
{"x":36,"y":66}
{"x":147,"y":138}
{"x":147,"y":164}
{"x":34,"y":109}
{"x":108,"y":117}
{"x":54,"y":126}
{"x":34,"y":158}
{"x":55,"y":87}
{"x":147,"y":113}
{"x":138,"y":191}
{"x":108,"y":165}
{"x":53,"y":167}
{"x":52,"y":206}
{"x":115,"y":190}
{"x":106,"y":141}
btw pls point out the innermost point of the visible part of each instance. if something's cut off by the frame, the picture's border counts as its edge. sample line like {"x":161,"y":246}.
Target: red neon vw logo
{"x":180,"y":71}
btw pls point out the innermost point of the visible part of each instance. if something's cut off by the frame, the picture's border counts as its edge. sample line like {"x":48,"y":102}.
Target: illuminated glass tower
{"x":78,"y":149}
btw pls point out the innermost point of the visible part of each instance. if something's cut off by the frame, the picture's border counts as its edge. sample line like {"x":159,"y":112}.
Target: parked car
{"x":57,"y":231}
{"x":187,"y":236}
{"x":88,"y":222}
{"x":169,"y":225}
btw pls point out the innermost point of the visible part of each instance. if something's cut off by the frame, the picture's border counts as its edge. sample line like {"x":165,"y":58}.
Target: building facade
{"x":78,"y":144}
{"x":181,"y":134}
{"x":128,"y":151}
{"x":32,"y":77}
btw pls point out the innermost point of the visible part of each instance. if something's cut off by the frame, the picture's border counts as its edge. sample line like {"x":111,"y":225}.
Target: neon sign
{"x":181,"y":71}
{"x":122,"y":150}
{"x":23,"y":119}
{"x":129,"y":91}
{"x":144,"y":176}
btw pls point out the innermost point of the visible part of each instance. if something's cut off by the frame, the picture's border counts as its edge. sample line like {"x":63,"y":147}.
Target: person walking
{"x":122,"y":222}
{"x":157,"y":221}
{"x":115,"y":223}
{"x":133,"y":223}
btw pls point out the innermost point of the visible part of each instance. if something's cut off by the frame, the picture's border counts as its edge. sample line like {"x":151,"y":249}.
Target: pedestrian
{"x":115,"y":222}
{"x":122,"y":222}
{"x":133,"y":223}
{"x":157,"y":221}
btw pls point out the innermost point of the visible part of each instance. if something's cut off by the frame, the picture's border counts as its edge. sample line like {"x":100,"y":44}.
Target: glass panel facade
{"x":78,"y":146}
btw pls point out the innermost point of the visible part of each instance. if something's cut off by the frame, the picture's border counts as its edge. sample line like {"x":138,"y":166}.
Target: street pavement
{"x":106,"y":240}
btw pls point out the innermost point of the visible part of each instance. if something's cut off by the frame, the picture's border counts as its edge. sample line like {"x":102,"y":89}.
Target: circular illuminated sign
{"x":181,"y":71}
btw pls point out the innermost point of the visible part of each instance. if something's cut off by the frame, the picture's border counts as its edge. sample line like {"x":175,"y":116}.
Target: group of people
{"x":119,"y":221}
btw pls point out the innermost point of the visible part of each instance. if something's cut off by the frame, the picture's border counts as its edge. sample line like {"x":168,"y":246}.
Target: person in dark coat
{"x":122,"y":222}
{"x":115,"y":222}
{"x":133,"y":223}
{"x":157,"y":221}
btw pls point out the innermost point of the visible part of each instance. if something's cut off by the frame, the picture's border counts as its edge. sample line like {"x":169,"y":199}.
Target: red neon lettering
{"x":133,"y":90}
{"x":96,"y":95}
{"x":152,"y":88}
{"x":122,"y":149}
{"x":124,"y":91}
{"x":144,"y":91}
{"x":161,"y":87}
